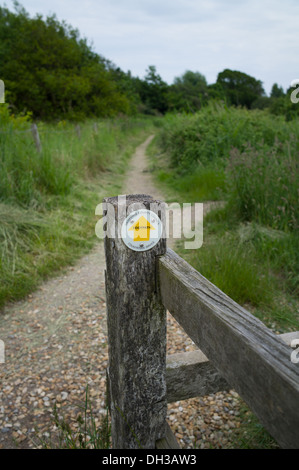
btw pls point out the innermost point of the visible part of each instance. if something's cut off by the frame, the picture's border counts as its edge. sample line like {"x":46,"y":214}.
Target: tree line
{"x":53,"y":73}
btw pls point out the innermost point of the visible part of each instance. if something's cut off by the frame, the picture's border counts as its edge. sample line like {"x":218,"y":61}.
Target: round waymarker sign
{"x":141,"y":230}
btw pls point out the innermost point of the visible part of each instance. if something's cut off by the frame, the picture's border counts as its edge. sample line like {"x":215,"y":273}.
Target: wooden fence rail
{"x":236,"y":350}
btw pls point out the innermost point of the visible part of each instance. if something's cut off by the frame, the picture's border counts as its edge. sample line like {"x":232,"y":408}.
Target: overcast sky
{"x":258,"y":37}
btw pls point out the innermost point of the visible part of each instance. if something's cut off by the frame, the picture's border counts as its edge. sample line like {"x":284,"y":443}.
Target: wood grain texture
{"x":190,"y":375}
{"x":136,"y":322}
{"x":253,"y":360}
{"x":169,"y":441}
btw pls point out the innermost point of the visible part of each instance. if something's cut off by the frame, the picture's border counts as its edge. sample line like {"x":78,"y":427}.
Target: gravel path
{"x":56,"y":345}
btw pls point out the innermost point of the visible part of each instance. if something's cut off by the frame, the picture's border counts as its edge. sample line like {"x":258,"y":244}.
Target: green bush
{"x":53,"y":72}
{"x":249,"y":160}
{"x":210,"y":134}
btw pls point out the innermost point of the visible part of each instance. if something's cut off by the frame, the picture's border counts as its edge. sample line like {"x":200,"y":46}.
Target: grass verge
{"x":48,"y":200}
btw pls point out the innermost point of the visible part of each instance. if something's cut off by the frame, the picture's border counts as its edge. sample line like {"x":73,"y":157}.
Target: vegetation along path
{"x":56,"y":345}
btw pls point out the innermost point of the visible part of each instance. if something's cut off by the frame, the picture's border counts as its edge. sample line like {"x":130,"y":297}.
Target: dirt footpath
{"x":56,"y":345}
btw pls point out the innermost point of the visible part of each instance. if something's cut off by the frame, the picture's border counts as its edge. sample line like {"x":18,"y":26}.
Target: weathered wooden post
{"x":36,"y":138}
{"x":2,"y":91}
{"x":78,"y":131}
{"x":136,"y":330}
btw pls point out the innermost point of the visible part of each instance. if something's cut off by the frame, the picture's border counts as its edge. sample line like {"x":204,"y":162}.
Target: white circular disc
{"x":141,"y":230}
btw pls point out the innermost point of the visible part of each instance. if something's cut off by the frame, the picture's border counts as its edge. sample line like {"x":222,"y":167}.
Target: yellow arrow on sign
{"x":142,"y":229}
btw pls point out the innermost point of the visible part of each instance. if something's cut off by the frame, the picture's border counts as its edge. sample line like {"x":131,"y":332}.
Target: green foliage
{"x":215,"y":93}
{"x":284,"y":105}
{"x":152,"y":91}
{"x":230,"y":267}
{"x":279,"y":103}
{"x":257,"y":153}
{"x":276,"y":91}
{"x":262,"y":102}
{"x":250,"y":159}
{"x":206,"y":183}
{"x":53,"y":73}
{"x":250,"y":244}
{"x":265,"y":184}
{"x":19,"y":231}
{"x":47,"y":200}
{"x":239,"y":88}
{"x":188,"y":92}
{"x":210,"y":134}
{"x":27,"y":176}
{"x":252,"y":264}
{"x":49,"y":70}
{"x":279,"y":249}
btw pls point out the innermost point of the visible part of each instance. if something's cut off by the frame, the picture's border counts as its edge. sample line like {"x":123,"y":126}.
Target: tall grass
{"x":210,"y":134}
{"x":264,"y":185}
{"x":48,"y":199}
{"x":250,"y":160}
{"x":199,"y":147}
{"x":232,"y":268}
{"x":27,"y":176}
{"x":250,"y":251}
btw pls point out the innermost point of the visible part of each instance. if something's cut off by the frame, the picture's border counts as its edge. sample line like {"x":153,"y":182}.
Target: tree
{"x":239,"y":88}
{"x":276,"y":91}
{"x":188,"y":92}
{"x":153,"y":91}
{"x":52,"y":72}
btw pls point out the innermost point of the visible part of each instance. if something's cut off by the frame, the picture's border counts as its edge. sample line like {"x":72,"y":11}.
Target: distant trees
{"x":50,"y":71}
{"x":276,"y":91}
{"x":188,"y":92}
{"x":281,"y":103}
{"x":278,"y":103}
{"x":239,"y":88}
{"x":153,"y":92}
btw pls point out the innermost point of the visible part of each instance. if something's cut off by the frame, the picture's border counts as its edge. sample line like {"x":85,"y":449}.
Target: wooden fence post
{"x":78,"y":131}
{"x":36,"y":138}
{"x":136,"y":333}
